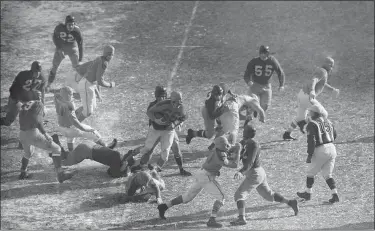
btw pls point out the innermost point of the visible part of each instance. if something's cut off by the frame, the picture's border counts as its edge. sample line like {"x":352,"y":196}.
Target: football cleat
{"x":162,"y":208}
{"x":304,"y":195}
{"x":24,"y":175}
{"x":211,"y":146}
{"x":189,"y":136}
{"x":334,"y":199}
{"x":213,"y":223}
{"x":287,"y":136}
{"x":64,"y":175}
{"x":113,"y":144}
{"x":183,"y":172}
{"x":239,"y":221}
{"x":294,"y":205}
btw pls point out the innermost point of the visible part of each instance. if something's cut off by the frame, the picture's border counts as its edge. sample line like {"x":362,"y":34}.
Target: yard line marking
{"x":178,"y":60}
{"x":183,"y":46}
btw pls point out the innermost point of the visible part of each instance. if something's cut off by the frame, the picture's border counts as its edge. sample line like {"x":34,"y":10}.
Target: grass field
{"x":222,"y":38}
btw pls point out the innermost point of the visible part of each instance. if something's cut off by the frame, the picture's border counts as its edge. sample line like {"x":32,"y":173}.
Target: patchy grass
{"x":229,"y":33}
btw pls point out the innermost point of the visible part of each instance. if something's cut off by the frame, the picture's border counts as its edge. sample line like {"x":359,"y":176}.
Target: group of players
{"x":166,"y":115}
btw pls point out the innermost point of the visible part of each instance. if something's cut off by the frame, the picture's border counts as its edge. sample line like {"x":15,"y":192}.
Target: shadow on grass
{"x":366,"y":140}
{"x":104,"y":201}
{"x":357,"y":226}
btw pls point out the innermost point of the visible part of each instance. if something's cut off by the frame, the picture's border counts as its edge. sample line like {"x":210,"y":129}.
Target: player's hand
{"x":336,"y":92}
{"x":281,"y":88}
{"x":113,"y":84}
{"x":238,"y":176}
{"x":226,"y":161}
{"x":159,"y":200}
{"x":308,"y":160}
{"x":312,"y":95}
{"x":250,"y":83}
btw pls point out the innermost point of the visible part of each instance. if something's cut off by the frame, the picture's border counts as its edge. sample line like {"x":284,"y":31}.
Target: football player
{"x":66,"y":37}
{"x":160,"y":95}
{"x":171,"y":112}
{"x":321,"y":151}
{"x":28,"y":85}
{"x":223,"y":155}
{"x":255,"y":177}
{"x":32,"y":133}
{"x":89,"y":75}
{"x":68,"y":123}
{"x":213,"y":108}
{"x":307,"y":95}
{"x":258,"y":76}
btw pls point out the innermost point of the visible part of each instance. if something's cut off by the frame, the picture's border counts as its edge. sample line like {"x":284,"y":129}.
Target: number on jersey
{"x":259,"y":70}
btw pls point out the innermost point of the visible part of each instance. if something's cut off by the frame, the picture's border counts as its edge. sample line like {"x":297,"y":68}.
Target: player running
{"x":165,"y":116}
{"x":88,"y":75}
{"x":68,"y":123}
{"x":66,"y":37}
{"x":321,"y":151}
{"x":258,"y":76}
{"x":32,"y":133}
{"x":160,"y":95}
{"x":28,"y":85}
{"x":307,"y":95}
{"x":205,"y":178}
{"x":256,"y":177}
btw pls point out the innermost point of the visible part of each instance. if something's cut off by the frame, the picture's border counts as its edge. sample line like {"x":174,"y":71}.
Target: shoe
{"x":113,"y":144}
{"x":213,"y":223}
{"x":183,"y":172}
{"x":304,"y":195}
{"x":64,"y":175}
{"x":239,"y":221}
{"x":211,"y":146}
{"x":162,"y":208}
{"x":294,"y":205}
{"x":301,"y":124}
{"x":25,"y":175}
{"x":189,"y":136}
{"x":55,"y":139}
{"x":334,"y":199}
{"x":287,"y":136}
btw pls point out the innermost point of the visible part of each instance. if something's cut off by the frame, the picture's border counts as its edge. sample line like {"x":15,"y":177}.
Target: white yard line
{"x":178,"y":60}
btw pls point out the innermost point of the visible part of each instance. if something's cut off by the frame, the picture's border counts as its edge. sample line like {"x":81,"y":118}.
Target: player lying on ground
{"x":223,"y":155}
{"x":255,"y":177}
{"x":307,"y":95}
{"x":28,"y":85}
{"x":142,"y":184}
{"x":88,"y":75}
{"x":69,"y":125}
{"x":101,"y":154}
{"x":160,"y":95}
{"x":33,"y":134}
{"x":321,"y":151}
{"x":165,"y":116}
{"x":66,"y":38}
{"x":258,"y":77}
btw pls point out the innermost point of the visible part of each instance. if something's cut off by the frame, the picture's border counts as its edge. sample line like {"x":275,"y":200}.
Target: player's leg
{"x":58,"y":57}
{"x":73,"y":56}
{"x":13,"y":109}
{"x":200,"y":179}
{"x":265,"y":191}
{"x":214,"y":189}
{"x":151,"y":141}
{"x":178,"y":155}
{"x":28,"y":151}
{"x":255,"y":89}
{"x":166,"y":141}
{"x":300,"y":119}
{"x":209,"y":125}
{"x":265,"y":98}
{"x":88,"y":99}
{"x":147,"y":156}
{"x":327,"y":171}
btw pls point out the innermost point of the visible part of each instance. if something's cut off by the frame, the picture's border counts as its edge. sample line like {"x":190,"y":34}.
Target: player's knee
{"x":268,"y":196}
{"x":239,"y":196}
{"x":186,"y":198}
{"x":209,"y":133}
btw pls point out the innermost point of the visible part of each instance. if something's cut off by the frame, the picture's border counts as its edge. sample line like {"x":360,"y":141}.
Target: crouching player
{"x":205,"y":178}
{"x":143,"y":184}
{"x":255,"y":177}
{"x":101,"y":154}
{"x":32,"y":133}
{"x":321,"y":151}
{"x":69,"y":125}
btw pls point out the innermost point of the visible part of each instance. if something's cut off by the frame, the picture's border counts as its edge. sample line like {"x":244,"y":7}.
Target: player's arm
{"x":248,"y":76}
{"x":234,"y":161}
{"x":251,"y":151}
{"x":14,"y":88}
{"x":311,"y":140}
{"x":79,"y":40}
{"x":81,"y":126}
{"x":331,"y":89}
{"x":100,"y":72}
{"x":279,"y":71}
{"x":56,"y":38}
{"x":212,"y":110}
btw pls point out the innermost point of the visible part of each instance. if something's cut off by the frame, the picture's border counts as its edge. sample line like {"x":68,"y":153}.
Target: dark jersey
{"x":171,"y":114}
{"x":214,"y":108}
{"x":250,"y":154}
{"x":149,"y":106}
{"x":106,"y":156}
{"x":64,"y":38}
{"x":24,"y":84}
{"x":31,"y":115}
{"x":319,"y":131}
{"x":260,"y":71}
